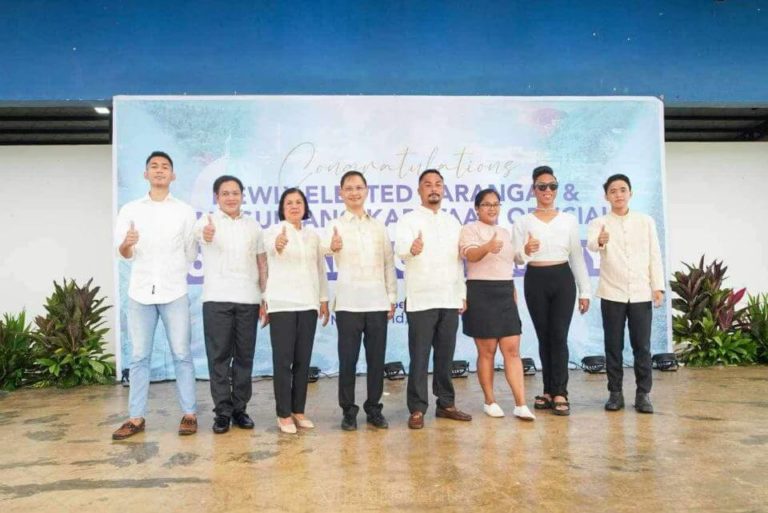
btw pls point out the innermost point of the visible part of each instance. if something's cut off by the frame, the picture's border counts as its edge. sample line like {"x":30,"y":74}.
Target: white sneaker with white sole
{"x":522,"y":412}
{"x":493,"y":410}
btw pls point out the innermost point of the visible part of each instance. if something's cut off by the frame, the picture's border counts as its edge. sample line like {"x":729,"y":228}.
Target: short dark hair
{"x":542,"y":170}
{"x":281,"y":208}
{"x":226,"y":178}
{"x":427,"y":171}
{"x":350,"y":174}
{"x":616,"y":178}
{"x":159,"y":154}
{"x":485,"y":192}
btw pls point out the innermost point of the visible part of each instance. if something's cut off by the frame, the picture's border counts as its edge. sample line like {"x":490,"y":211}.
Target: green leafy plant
{"x":756,"y":324}
{"x":71,"y":337}
{"x":17,"y":351}
{"x":709,"y":328}
{"x":710,"y":345}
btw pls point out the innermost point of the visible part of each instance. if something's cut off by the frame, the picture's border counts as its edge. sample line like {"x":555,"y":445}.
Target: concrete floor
{"x":704,"y":450}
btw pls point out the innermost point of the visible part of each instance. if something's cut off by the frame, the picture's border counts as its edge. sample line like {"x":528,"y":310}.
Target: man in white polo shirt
{"x":366,"y":292}
{"x":154,"y":233}
{"x":427,"y":239}
{"x":235,"y":275}
{"x":631,"y":282}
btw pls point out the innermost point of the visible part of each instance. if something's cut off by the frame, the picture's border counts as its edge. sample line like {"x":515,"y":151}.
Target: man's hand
{"x":658,"y":298}
{"x":131,"y":237}
{"x":210,"y":230}
{"x":418,"y":245}
{"x":336,"y":243}
{"x":603,"y":238}
{"x":324,"y":313}
{"x":583,"y":306}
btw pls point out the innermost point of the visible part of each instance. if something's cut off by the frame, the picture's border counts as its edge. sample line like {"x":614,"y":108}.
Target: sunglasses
{"x":543,"y":186}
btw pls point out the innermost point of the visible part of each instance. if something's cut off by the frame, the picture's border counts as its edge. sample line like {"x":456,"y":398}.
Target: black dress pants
{"x":370,"y":328}
{"x":428,"y":330}
{"x":292,"y":335}
{"x":230,"y":341}
{"x":550,"y":294}
{"x":639,"y":316}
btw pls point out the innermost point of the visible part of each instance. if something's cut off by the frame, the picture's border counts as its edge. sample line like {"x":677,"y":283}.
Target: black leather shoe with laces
{"x":220,"y":424}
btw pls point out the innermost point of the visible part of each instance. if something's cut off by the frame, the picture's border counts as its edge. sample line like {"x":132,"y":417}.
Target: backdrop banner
{"x":275,"y":142}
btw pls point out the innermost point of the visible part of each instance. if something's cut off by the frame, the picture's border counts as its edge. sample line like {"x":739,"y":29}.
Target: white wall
{"x":56,"y":216}
{"x":716,"y":194}
{"x":56,"y":219}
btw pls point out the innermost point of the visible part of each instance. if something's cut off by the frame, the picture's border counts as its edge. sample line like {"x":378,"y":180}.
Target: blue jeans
{"x":142,"y":322}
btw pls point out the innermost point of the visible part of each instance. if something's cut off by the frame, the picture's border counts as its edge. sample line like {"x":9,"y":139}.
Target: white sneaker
{"x":286,"y":428}
{"x":522,"y":412}
{"x":493,"y":410}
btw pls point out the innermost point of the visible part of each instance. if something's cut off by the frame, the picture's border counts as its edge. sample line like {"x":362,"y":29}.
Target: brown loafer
{"x":416,"y":420}
{"x":127,"y":430}
{"x":188,"y":425}
{"x":452,"y":413}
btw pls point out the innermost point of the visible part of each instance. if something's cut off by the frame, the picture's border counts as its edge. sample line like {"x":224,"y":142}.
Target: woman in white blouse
{"x":552,"y":249}
{"x":296,"y":295}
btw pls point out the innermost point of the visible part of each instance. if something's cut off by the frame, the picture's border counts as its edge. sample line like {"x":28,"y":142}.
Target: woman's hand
{"x":324,"y":313}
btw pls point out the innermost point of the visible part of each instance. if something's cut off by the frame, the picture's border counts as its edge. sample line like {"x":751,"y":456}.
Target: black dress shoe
{"x":220,"y":424}
{"x":615,"y":402}
{"x":643,"y":403}
{"x":349,"y":422}
{"x":376,"y":419}
{"x":242,"y":420}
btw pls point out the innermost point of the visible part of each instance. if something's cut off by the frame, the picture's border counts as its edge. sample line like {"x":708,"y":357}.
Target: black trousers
{"x":230,"y":341}
{"x":639,"y":315}
{"x":550,"y":294}
{"x":371,"y":329}
{"x":427,"y":330}
{"x":292,"y":335}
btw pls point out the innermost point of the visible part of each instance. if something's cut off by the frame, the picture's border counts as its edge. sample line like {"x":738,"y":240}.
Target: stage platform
{"x":705,"y":450}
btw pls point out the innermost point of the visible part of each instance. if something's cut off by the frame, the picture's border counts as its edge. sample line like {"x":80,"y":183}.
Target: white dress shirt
{"x":231,"y":272}
{"x":297,"y":276}
{"x":434,"y":278}
{"x":366,"y":279}
{"x":559,"y":241}
{"x":165,"y":249}
{"x":630,"y":262}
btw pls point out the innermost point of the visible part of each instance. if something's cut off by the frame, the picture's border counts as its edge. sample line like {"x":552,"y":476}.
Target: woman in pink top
{"x":491,"y":317}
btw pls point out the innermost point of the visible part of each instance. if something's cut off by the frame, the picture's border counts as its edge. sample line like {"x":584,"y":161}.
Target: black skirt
{"x":491,"y":309}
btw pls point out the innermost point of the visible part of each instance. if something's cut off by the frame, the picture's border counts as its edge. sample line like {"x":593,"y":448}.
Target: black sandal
{"x":564,"y":412}
{"x":542,"y":402}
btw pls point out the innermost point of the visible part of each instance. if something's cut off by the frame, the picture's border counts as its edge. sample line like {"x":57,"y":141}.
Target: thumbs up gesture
{"x":336,"y":243}
{"x":532,"y":245}
{"x":131,"y":236}
{"x":210,"y":230}
{"x":494,"y":245}
{"x":603,"y":238}
{"x":281,"y":241}
{"x":418,"y":245}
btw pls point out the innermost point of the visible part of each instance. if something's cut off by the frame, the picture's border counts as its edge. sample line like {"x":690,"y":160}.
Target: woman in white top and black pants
{"x":550,"y":241}
{"x":297,"y":292}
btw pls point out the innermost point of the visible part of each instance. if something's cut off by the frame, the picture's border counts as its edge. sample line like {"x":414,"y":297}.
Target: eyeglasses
{"x":543,"y":186}
{"x":490,"y":205}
